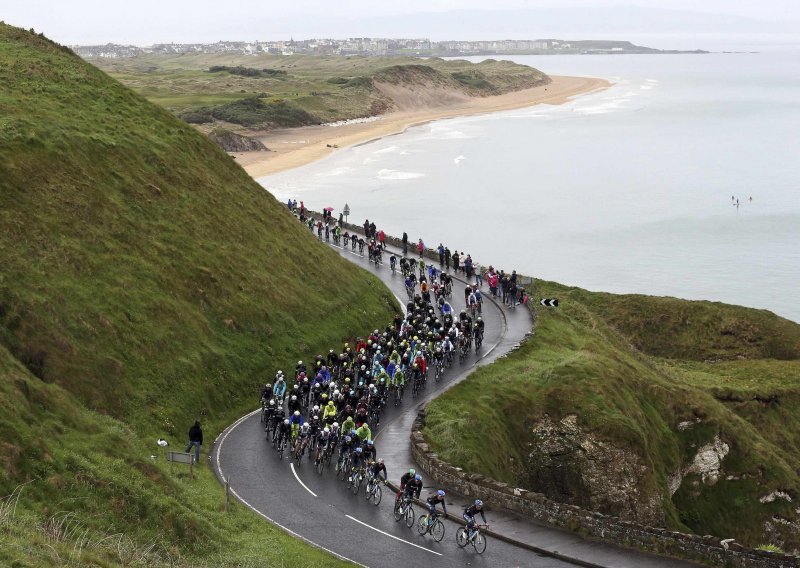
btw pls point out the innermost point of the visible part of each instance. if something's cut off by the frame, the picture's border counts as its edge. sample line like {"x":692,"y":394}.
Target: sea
{"x":682,"y":179}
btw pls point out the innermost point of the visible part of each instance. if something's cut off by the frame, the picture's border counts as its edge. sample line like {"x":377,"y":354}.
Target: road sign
{"x":346,"y":212}
{"x":549,"y":302}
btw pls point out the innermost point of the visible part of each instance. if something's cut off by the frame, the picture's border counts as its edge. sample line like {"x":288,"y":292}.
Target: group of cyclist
{"x":332,"y":403}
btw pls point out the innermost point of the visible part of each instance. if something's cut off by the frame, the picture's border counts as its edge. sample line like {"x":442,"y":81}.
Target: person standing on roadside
{"x":440,"y":250}
{"x":476,"y":268}
{"x":468,"y":267}
{"x":382,"y":239}
{"x":405,"y":243}
{"x":420,"y":248}
{"x":456,"y":258}
{"x":195,"y":440}
{"x":447,"y":257}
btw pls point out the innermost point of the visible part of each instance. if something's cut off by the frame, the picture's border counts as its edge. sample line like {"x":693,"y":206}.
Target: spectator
{"x":420,"y":248}
{"x":447,"y":257}
{"x":405,"y":243}
{"x":196,"y":440}
{"x":476,"y":268}
{"x":456,"y":258}
{"x":440,"y":250}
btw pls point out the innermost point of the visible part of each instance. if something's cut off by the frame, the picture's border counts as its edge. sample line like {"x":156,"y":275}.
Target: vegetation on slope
{"x":269,"y":91}
{"x":146,"y":281}
{"x":641,"y":386}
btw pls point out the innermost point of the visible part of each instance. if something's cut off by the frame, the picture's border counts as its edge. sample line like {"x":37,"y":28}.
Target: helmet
{"x":347,"y":380}
{"x":418,"y":477}
{"x":335,"y":424}
{"x":326,"y":430}
{"x":440,"y":493}
{"x":380,"y":461}
{"x":294,"y":397}
{"x":348,"y":439}
{"x":280,"y":373}
{"x":480,"y":318}
{"x":478,"y":503}
{"x":412,"y":471}
{"x":305,"y":380}
{"x":335,"y":393}
{"x":296,"y":387}
{"x":272,"y":402}
{"x":330,"y":351}
{"x":299,"y":363}
{"x":286,"y":421}
{"x":359,"y":450}
{"x":353,"y":432}
{"x":297,"y":413}
{"x":316,"y":408}
{"x":280,"y":379}
{"x":305,"y":426}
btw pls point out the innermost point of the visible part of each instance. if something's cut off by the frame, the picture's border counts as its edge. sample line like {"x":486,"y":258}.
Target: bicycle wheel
{"x":356,"y":483}
{"x":377,"y":493}
{"x":422,"y":525}
{"x":479,"y":542}
{"x":437,"y":530}
{"x":410,"y":516}
{"x":461,"y":537}
{"x":320,"y":465}
{"x":399,"y":511}
{"x":368,"y":489}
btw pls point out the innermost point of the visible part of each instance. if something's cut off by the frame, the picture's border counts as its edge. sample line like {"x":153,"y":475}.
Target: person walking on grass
{"x":195,"y":440}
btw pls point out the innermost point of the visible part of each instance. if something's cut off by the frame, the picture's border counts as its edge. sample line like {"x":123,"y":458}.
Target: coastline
{"x":295,"y":147}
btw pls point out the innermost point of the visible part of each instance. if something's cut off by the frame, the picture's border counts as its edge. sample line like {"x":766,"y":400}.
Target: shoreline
{"x":295,"y":147}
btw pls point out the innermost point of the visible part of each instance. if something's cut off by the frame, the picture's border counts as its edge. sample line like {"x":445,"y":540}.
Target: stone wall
{"x":707,"y":549}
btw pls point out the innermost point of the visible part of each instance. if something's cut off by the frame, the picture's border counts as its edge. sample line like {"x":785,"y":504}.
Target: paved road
{"x":320,"y":509}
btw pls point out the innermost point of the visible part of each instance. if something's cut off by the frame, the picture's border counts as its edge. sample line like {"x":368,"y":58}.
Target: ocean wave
{"x":335,"y":172}
{"x":387,"y":174}
{"x":458,"y":159}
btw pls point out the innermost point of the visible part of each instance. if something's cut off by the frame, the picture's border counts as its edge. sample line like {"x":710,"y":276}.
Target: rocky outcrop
{"x":571,"y":465}
{"x":232,"y":142}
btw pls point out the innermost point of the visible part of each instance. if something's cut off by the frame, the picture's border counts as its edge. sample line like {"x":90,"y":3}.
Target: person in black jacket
{"x":196,"y":440}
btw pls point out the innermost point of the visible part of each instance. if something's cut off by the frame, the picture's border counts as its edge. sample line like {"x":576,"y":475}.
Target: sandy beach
{"x":291,"y":148}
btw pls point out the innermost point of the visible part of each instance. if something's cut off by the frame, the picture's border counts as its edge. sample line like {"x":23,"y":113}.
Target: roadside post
{"x":346,"y":212}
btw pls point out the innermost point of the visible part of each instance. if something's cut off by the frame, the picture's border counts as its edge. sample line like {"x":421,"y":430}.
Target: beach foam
{"x":393,"y":175}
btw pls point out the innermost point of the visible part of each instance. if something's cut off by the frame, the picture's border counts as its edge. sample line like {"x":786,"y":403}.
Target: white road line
{"x":300,"y":481}
{"x":259,"y":513}
{"x":394,"y":537}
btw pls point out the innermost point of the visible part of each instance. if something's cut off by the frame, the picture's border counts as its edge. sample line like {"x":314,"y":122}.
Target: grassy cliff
{"x":660,"y":410}
{"x":274,"y":91}
{"x":146,"y":281}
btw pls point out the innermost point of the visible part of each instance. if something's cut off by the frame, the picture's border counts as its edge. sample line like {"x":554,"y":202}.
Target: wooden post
{"x":191,"y":468}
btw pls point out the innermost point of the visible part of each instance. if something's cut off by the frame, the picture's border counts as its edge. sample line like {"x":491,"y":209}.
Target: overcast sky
{"x":147,"y":21}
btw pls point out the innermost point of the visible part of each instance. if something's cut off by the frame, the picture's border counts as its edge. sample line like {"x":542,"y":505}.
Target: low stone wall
{"x":707,"y":549}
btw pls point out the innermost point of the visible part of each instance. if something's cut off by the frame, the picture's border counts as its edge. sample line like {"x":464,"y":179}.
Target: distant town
{"x":374,"y":47}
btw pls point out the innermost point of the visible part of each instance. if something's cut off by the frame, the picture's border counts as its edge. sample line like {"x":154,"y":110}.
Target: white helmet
{"x":294,"y":397}
{"x":299,"y":363}
{"x":305,"y":426}
{"x":335,"y":425}
{"x":286,"y":421}
{"x":272,"y":402}
{"x":326,"y":430}
{"x":316,"y":408}
{"x":297,"y":413}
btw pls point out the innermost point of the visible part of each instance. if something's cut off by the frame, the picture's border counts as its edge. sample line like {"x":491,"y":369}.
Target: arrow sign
{"x":549,"y":302}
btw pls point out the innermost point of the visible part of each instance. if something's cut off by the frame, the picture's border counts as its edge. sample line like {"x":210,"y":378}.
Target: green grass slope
{"x":649,"y":383}
{"x":146,"y":281}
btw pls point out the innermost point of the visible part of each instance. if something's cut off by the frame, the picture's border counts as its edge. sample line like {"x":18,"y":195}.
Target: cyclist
{"x":470,"y":513}
{"x":348,"y":424}
{"x":357,"y":460}
{"x":294,"y":404}
{"x":364,"y":433}
{"x":329,"y":413}
{"x":296,"y":421}
{"x":408,"y":476}
{"x":370,"y":453}
{"x":393,"y":262}
{"x":323,"y":441}
{"x":279,"y":389}
{"x":377,"y":469}
{"x":266,"y":393}
{"x":432,"y":502}
{"x":284,"y":432}
{"x":302,"y":438}
{"x":413,"y":488}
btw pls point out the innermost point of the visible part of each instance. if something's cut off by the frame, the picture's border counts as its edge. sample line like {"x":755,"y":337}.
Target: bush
{"x":246,"y":71}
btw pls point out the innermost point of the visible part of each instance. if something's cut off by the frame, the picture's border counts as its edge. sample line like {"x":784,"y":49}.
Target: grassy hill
{"x":146,"y":281}
{"x":626,"y":404}
{"x":274,"y":91}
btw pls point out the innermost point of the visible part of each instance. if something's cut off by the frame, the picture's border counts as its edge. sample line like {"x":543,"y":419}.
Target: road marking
{"x":217,"y":451}
{"x":300,"y":481}
{"x":394,"y":537}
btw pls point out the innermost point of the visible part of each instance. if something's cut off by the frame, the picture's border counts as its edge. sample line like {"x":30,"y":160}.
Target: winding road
{"x":320,"y":510}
